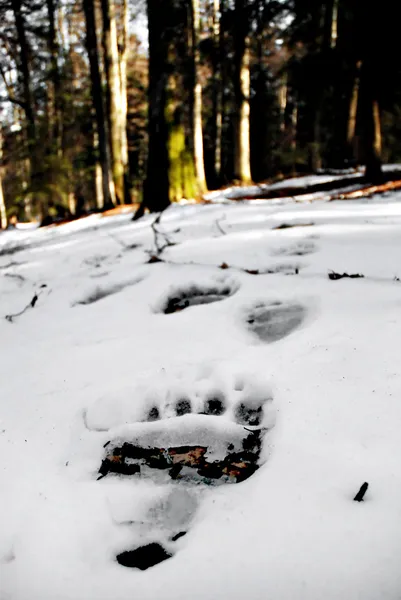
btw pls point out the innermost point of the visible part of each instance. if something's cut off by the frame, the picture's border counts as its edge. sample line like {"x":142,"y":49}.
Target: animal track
{"x":190,"y":448}
{"x":197,"y":436}
{"x":194,"y":295}
{"x":298,"y":249}
{"x":274,"y":321}
{"x":100,"y":292}
{"x":143,"y":557}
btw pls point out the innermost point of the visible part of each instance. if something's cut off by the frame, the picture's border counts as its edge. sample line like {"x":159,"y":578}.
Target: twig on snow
{"x":362,"y":492}
{"x":219,"y":227}
{"x":31,"y":304}
{"x":335,"y":276}
{"x":160,"y":246}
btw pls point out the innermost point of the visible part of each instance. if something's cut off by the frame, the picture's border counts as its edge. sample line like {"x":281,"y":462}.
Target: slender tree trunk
{"x":156,"y":186}
{"x":113,"y":83}
{"x":197,"y":104}
{"x":282,"y":100}
{"x":374,"y":172}
{"x":97,"y":99}
{"x":99,"y":193}
{"x":352,"y":139}
{"x":3,"y":212}
{"x":334,"y":24}
{"x":370,"y":120}
{"x":55,"y":129}
{"x":293,"y":135}
{"x":123,"y":57}
{"x":242,"y":86}
{"x":218,"y":83}
{"x":315,"y":157}
{"x":28,"y":105}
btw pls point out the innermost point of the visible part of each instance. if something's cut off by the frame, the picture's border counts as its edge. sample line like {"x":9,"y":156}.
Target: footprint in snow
{"x":192,"y":295}
{"x":188,"y":444}
{"x":274,"y":321}
{"x":301,"y":248}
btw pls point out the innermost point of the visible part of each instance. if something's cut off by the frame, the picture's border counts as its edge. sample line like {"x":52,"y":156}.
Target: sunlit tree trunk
{"x":113,"y":82}
{"x":97,"y":99}
{"x":197,"y":103}
{"x":282,"y":100}
{"x":242,"y":88}
{"x":3,"y":212}
{"x":123,"y":56}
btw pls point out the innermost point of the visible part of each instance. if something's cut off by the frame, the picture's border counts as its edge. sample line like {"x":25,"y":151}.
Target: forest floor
{"x":224,"y":341}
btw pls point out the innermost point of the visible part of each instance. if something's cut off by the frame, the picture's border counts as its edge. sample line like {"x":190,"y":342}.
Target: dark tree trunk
{"x":374,"y":173}
{"x":97,"y":99}
{"x":156,"y":186}
{"x":28,"y":102}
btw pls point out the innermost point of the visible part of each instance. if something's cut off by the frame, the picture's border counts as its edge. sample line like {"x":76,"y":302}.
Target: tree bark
{"x":242,"y":165}
{"x":352,"y":139}
{"x":218,"y":83}
{"x":28,"y":104}
{"x":123,"y":57}
{"x":3,"y":212}
{"x":55,"y":120}
{"x":373,"y":171}
{"x":197,"y":103}
{"x":114,"y":104}
{"x":97,"y":99}
{"x":156,"y":185}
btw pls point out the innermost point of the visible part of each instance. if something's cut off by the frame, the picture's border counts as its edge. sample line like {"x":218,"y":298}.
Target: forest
{"x":224,"y":92}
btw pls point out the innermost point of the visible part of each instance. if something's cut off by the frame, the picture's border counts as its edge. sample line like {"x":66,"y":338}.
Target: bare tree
{"x":3,"y":212}
{"x":197,"y":102}
{"x":97,"y":99}
{"x":242,"y":88}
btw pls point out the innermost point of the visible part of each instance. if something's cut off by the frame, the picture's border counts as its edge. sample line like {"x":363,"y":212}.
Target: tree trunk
{"x":114,"y":104}
{"x":334,"y":24}
{"x":282,"y":100}
{"x":374,"y":172}
{"x":3,"y":212}
{"x":97,"y":99}
{"x":315,"y":158}
{"x":218,"y":84}
{"x":28,"y":105}
{"x":123,"y":57}
{"x":352,"y":139}
{"x":55,"y":122}
{"x":156,"y":185}
{"x":242,"y":86}
{"x":197,"y":103}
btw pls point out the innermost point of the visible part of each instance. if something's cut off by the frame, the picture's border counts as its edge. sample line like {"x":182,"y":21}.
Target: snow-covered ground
{"x":319,"y":359}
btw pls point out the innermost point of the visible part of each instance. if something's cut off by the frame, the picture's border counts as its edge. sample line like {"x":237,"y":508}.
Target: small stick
{"x":362,"y":492}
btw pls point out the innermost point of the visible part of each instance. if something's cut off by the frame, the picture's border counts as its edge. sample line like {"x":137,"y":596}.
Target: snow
{"x":79,"y":370}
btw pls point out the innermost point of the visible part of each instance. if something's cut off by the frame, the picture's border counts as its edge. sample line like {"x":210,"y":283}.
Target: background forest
{"x":225,"y":91}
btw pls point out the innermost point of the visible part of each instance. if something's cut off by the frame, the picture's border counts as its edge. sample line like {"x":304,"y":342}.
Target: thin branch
{"x":31,"y":304}
{"x":219,"y":227}
{"x":160,"y":247}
